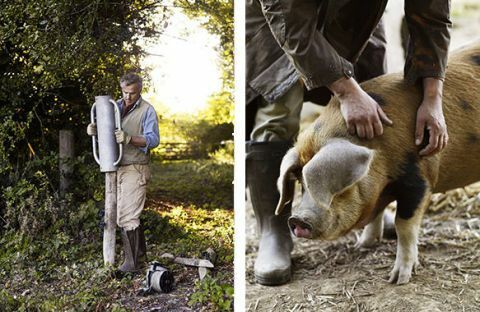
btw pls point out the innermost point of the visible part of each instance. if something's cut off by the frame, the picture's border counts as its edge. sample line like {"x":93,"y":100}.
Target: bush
{"x":212,"y":295}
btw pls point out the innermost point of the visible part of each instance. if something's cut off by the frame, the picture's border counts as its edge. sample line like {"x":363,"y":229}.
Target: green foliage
{"x":212,"y":295}
{"x":220,"y":109}
{"x":33,"y":207}
{"x":192,"y":136}
{"x":205,"y":183}
{"x":224,"y":155}
{"x":58,"y":271}
{"x":54,"y":57}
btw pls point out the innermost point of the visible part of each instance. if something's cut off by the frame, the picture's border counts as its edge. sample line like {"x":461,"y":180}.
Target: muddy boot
{"x":142,"y":251}
{"x":131,"y":248}
{"x":273,"y":263}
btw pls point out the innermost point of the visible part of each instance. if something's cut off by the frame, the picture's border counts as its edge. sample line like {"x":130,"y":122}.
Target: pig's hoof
{"x":366,"y":242}
{"x":400,"y":277}
{"x":401,"y":274}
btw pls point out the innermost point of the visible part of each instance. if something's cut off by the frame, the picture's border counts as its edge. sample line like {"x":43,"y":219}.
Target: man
{"x":139,"y":135}
{"x":324,"y":42}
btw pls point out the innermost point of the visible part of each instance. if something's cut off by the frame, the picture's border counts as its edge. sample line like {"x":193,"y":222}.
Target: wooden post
{"x":66,"y":153}
{"x":110,"y":218}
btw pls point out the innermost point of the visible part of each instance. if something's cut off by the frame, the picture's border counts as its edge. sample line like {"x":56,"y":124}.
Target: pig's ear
{"x":338,"y":165}
{"x":290,"y":162}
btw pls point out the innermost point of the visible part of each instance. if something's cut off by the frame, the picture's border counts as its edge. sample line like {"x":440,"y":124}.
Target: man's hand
{"x":92,"y":129}
{"x":122,"y":137}
{"x":430,"y":116}
{"x":361,"y":113}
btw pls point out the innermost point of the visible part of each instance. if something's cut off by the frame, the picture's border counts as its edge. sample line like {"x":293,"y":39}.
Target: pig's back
{"x":460,"y":162}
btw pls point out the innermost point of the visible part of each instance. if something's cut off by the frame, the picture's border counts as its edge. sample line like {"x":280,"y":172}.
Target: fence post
{"x":110,"y":218}
{"x":66,"y":154}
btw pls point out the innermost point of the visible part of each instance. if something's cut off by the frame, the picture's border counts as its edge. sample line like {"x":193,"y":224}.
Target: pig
{"x":348,"y":181}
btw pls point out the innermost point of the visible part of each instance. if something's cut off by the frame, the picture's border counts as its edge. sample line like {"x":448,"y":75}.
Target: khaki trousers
{"x":280,"y":120}
{"x":131,"y":193}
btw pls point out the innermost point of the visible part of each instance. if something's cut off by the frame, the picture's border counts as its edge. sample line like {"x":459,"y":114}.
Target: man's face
{"x":131,"y":93}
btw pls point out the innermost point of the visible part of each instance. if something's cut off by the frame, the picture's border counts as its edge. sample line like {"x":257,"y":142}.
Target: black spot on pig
{"x":465,"y":105}
{"x":409,"y":188}
{"x":378,"y":98}
{"x":476,"y":59}
{"x":472,"y":138}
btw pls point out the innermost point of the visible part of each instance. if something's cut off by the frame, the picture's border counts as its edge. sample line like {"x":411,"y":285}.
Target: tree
{"x":55,"y":56}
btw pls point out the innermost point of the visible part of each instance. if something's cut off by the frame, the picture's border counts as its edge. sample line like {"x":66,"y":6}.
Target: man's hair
{"x":130,"y":78}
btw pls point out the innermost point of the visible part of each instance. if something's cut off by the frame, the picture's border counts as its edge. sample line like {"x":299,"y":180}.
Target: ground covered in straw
{"x":335,"y":276}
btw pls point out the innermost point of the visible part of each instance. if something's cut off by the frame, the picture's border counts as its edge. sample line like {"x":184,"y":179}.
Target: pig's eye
{"x":298,"y":174}
{"x":302,"y":186}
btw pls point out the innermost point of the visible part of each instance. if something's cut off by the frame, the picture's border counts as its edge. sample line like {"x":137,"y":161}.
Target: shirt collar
{"x":122,"y":103}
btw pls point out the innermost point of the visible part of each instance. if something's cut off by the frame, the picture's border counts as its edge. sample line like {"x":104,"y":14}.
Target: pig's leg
{"x":407,"y":224}
{"x":372,"y":232}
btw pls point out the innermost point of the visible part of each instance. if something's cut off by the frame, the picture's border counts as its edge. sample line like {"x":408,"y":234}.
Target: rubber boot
{"x":273,"y":263}
{"x":142,"y":251}
{"x":131,"y":248}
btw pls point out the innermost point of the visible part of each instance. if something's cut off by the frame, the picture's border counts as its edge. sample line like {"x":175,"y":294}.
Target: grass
{"x":205,"y":183}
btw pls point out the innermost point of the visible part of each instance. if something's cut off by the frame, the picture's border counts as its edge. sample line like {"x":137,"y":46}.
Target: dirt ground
{"x":335,"y":276}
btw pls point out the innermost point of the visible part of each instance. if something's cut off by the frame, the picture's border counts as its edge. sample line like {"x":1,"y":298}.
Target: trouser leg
{"x":276,"y":125}
{"x":131,"y":191}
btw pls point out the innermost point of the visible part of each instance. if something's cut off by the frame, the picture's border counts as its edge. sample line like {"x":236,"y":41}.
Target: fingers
{"x":360,"y":130}
{"x":369,"y":131}
{"x":441,"y":143}
{"x":92,"y":129}
{"x":438,"y":141}
{"x":432,"y":144}
{"x":351,"y":127}
{"x":363,"y":116}
{"x":383,"y":117}
{"x":419,"y":130}
{"x":365,"y":129}
{"x":378,"y":128}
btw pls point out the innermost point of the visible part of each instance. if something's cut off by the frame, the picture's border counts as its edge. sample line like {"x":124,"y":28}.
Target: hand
{"x":92,"y":129}
{"x":122,"y":137}
{"x":430,"y":116}
{"x":361,"y":113}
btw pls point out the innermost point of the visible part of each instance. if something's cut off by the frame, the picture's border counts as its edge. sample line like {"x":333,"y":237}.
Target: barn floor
{"x":335,"y":276}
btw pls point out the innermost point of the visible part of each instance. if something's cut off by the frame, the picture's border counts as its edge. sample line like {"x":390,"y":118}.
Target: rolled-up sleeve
{"x":429,"y":28}
{"x":150,"y":130}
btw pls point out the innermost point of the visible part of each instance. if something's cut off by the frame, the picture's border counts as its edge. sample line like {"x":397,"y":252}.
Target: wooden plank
{"x":66,"y":154}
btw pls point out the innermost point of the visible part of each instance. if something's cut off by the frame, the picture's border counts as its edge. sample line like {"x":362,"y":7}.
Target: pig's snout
{"x":299,"y":227}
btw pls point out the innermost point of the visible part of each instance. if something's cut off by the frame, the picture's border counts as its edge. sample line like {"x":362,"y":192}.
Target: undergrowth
{"x":51,"y":250}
